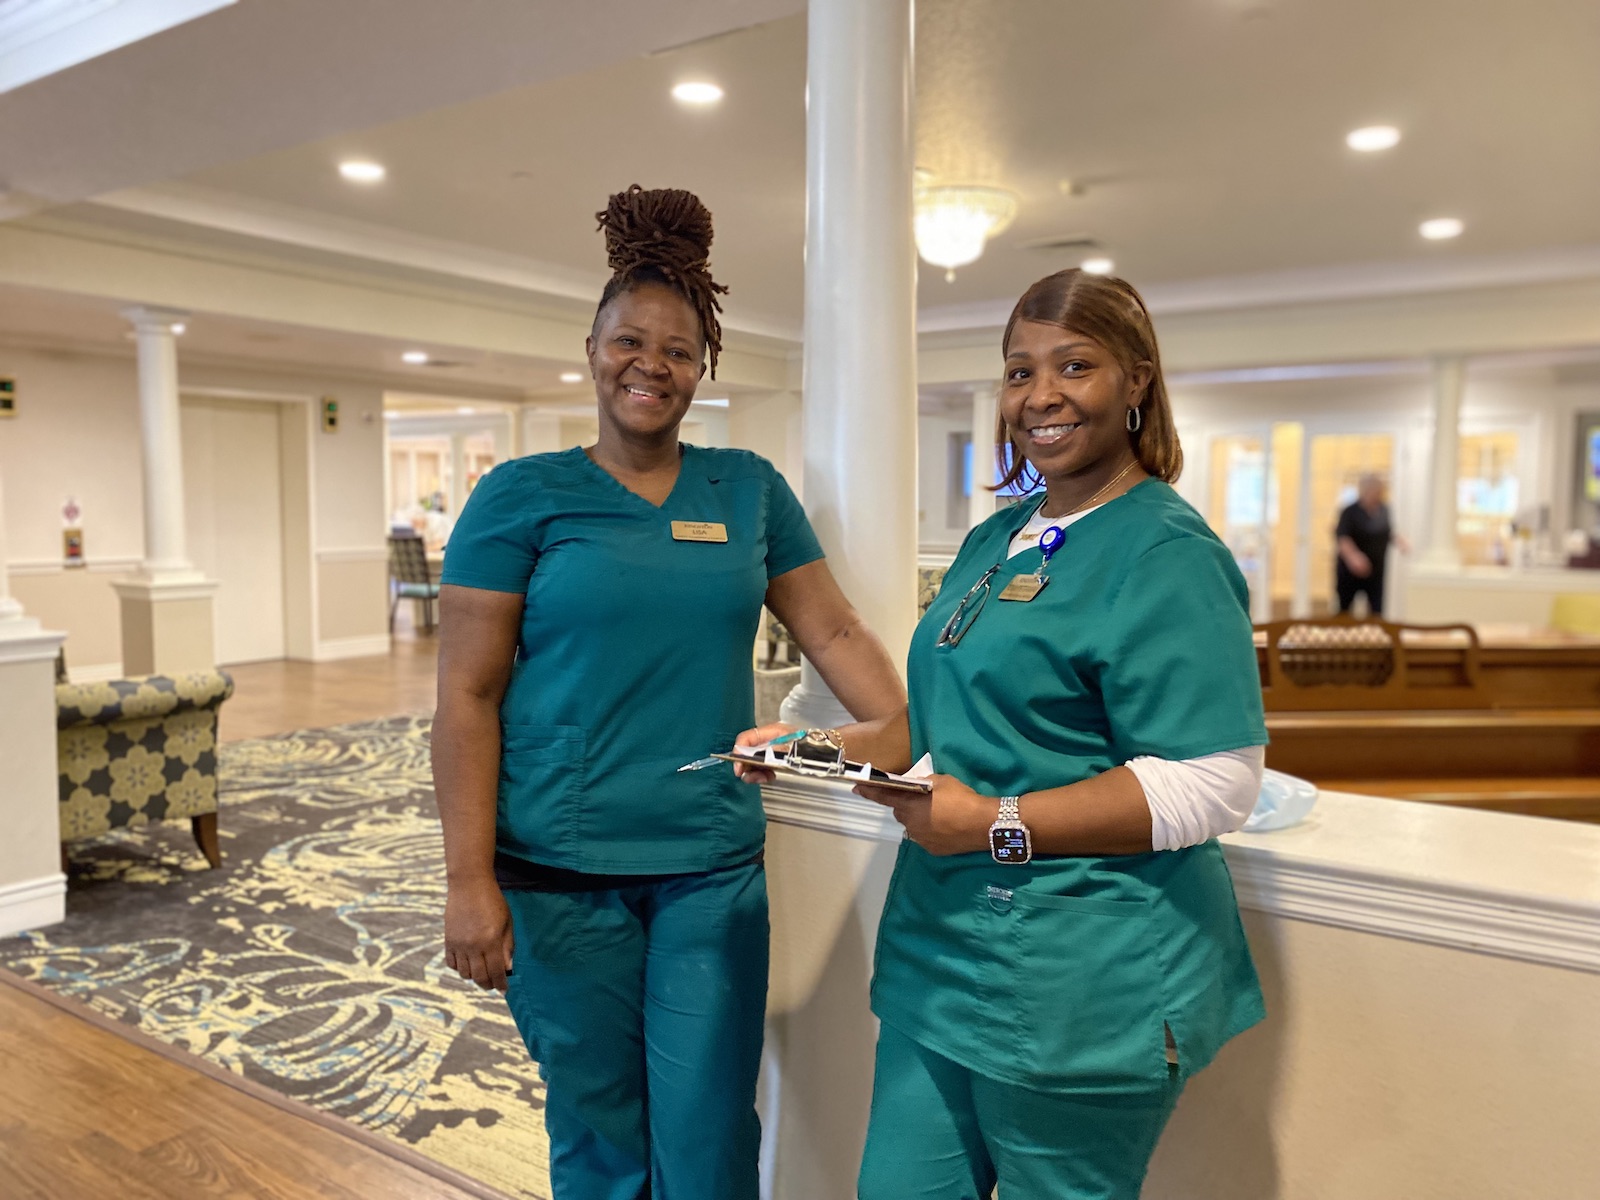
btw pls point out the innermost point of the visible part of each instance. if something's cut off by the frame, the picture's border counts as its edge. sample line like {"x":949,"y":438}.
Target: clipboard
{"x":841,"y":771}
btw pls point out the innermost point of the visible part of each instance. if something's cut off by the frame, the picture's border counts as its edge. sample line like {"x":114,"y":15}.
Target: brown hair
{"x":663,"y":237}
{"x":1108,"y":310}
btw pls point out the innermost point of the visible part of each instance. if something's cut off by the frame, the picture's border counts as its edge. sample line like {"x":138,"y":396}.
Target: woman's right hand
{"x":759,"y":736}
{"x":477,"y":933}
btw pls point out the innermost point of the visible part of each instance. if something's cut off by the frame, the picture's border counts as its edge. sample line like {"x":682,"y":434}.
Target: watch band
{"x":1010,"y":811}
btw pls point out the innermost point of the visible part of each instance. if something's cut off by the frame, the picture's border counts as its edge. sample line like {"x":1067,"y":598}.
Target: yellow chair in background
{"x":1576,"y":613}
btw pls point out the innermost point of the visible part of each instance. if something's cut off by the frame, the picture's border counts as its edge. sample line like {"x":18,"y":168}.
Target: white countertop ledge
{"x":1518,"y":887}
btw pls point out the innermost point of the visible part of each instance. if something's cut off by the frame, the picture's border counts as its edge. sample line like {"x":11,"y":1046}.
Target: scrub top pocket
{"x":541,"y":778}
{"x":1088,"y":990}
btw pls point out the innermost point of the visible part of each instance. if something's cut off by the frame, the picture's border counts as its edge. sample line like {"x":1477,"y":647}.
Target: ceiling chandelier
{"x":953,"y":223}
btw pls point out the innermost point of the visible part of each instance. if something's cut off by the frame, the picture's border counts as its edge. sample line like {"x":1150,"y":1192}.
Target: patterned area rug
{"x":312,"y":962}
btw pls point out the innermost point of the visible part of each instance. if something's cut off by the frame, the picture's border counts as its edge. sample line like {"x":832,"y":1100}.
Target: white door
{"x":234,"y":499}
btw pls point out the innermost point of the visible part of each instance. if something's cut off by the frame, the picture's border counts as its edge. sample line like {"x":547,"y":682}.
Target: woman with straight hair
{"x":597,"y":632}
{"x":1060,"y":949}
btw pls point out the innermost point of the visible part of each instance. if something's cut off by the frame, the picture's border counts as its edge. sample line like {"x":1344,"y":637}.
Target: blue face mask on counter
{"x":1284,"y":801}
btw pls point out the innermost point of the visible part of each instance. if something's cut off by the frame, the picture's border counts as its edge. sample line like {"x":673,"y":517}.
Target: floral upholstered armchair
{"x":136,"y":750}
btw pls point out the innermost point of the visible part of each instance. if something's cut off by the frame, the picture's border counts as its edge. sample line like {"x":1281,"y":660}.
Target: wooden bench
{"x":1413,"y":712}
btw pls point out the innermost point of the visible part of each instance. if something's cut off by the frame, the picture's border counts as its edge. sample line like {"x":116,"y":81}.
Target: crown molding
{"x":308,"y":230}
{"x":1356,"y":281}
{"x":298,"y":371}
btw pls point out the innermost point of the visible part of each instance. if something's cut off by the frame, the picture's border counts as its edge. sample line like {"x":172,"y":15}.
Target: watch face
{"x":1010,"y":844}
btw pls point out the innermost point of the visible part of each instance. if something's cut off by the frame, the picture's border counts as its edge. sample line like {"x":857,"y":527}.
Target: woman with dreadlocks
{"x":598,"y":612}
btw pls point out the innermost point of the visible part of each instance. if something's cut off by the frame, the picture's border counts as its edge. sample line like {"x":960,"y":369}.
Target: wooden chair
{"x":410,"y":577}
{"x":1332,"y":664}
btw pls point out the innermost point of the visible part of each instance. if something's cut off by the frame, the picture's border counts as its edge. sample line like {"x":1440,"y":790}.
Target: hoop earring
{"x":1134,"y":420}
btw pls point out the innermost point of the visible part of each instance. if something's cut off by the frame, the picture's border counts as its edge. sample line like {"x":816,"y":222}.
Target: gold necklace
{"x":1089,"y":503}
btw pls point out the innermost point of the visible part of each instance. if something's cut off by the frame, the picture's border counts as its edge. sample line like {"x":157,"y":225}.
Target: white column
{"x":32,"y":888}
{"x":165,"y":552}
{"x":859,"y":432}
{"x":860,"y":409}
{"x":10,"y":608}
{"x":980,"y":506}
{"x":458,"y":474}
{"x":167,"y":617}
{"x":1449,"y":382}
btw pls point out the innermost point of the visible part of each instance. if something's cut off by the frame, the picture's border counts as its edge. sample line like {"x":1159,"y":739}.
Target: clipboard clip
{"x":808,"y":753}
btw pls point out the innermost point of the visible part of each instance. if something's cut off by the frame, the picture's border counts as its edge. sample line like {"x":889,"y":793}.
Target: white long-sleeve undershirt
{"x":1195,"y":799}
{"x":1191,"y":800}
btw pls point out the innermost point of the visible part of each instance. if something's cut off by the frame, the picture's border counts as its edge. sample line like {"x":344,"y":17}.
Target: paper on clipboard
{"x":846,"y":772}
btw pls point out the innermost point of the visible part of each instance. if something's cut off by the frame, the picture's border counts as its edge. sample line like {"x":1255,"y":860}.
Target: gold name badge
{"x":699,"y":531}
{"x":1023,"y":588}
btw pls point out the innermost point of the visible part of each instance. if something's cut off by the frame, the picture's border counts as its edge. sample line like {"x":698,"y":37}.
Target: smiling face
{"x":647,"y":355}
{"x":1065,"y":403}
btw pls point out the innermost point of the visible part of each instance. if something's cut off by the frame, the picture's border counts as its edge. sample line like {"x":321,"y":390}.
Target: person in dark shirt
{"x":1363,"y":535}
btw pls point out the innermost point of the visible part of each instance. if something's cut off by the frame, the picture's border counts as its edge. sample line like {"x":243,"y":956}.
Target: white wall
{"x":769,"y":424}
{"x":936,"y":532}
{"x":77,"y":434}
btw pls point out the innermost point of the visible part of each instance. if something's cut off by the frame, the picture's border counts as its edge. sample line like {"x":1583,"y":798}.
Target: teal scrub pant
{"x":644,"y":1008}
{"x":940,"y":1131}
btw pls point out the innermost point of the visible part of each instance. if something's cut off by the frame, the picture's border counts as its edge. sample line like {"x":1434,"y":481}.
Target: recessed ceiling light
{"x":179,"y":327}
{"x":571,"y":377}
{"x":1098,"y":266}
{"x":1441,"y":228}
{"x":697,"y":92}
{"x":359,"y":170}
{"x":466,"y":410}
{"x":389,"y":414}
{"x":1371,"y":138}
{"x":415,"y":357}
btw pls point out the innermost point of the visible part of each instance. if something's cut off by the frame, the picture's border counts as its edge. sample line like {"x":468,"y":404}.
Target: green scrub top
{"x":634,"y":656}
{"x":1059,"y":975}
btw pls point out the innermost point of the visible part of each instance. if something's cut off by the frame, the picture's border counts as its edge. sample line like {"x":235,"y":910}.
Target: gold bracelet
{"x":827,"y":737}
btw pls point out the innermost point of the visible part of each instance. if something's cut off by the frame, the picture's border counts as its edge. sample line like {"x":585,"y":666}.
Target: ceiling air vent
{"x":1074,"y":243}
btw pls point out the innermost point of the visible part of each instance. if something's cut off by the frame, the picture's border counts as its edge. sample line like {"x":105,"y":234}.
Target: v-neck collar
{"x":685,"y":455}
{"x":1028,"y":510}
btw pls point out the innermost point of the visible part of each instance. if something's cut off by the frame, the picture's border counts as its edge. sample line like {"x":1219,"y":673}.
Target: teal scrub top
{"x":1060,"y":975}
{"x":634,"y":655}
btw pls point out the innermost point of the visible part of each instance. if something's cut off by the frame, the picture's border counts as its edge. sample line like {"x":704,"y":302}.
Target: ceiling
{"x":1196,"y":141}
{"x":68,"y":323}
{"x":261,"y":75}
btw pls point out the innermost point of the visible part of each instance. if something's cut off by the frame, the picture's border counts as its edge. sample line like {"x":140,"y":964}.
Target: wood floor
{"x":279,"y":697}
{"x":90,"y":1110}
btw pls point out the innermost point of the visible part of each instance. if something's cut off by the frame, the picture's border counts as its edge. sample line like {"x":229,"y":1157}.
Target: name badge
{"x":1023,"y":588}
{"x":699,"y":531}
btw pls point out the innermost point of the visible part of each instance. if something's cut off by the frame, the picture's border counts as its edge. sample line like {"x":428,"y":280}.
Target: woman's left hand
{"x":952,"y":819}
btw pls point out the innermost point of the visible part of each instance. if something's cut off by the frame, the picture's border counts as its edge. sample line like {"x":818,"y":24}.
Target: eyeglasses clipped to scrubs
{"x":967,"y":611}
{"x":1022,"y":588}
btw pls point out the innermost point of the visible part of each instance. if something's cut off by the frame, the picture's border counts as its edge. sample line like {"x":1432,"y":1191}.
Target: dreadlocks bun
{"x":664,"y":235}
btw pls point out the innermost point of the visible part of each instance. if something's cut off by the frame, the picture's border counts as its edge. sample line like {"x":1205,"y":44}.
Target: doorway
{"x":233,"y":480}
{"x":1274,"y":496}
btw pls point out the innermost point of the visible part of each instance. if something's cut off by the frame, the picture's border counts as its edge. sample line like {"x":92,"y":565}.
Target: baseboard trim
{"x":33,"y":904}
{"x":353,"y":554}
{"x":374,"y":646}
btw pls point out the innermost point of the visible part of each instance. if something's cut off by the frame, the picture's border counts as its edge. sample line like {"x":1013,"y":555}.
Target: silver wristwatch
{"x":1009,"y":839}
